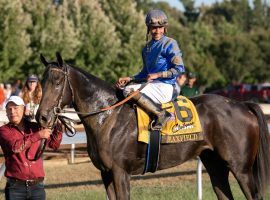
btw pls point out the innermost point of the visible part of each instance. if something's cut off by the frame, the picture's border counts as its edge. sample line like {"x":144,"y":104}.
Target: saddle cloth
{"x":183,"y":125}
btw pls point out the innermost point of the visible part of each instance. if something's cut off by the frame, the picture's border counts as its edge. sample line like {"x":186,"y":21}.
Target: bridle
{"x":56,"y":111}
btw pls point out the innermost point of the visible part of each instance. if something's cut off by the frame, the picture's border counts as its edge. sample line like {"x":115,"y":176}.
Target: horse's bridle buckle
{"x":56,"y":110}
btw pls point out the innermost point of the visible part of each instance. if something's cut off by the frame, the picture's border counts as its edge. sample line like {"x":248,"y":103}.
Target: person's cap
{"x":32,"y":78}
{"x":192,"y":75}
{"x":15,"y":99}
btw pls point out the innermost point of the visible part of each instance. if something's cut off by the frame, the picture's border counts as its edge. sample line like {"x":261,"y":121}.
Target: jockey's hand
{"x":153,"y":76}
{"x":123,"y":81}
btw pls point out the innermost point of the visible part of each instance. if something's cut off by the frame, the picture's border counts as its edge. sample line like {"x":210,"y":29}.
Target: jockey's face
{"x":157,"y":32}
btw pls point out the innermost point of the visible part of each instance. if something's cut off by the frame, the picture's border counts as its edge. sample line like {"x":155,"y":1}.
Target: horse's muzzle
{"x":45,"y":119}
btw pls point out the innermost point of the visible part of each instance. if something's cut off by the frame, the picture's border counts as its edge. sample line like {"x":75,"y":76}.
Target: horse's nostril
{"x":43,"y":119}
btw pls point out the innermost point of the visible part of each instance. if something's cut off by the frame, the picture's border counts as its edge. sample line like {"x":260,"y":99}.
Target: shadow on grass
{"x":137,"y":177}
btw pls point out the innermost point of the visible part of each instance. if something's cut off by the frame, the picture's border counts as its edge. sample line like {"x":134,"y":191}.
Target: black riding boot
{"x":149,"y":106}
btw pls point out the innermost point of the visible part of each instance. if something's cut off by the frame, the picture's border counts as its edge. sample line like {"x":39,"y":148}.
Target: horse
{"x":235,"y":134}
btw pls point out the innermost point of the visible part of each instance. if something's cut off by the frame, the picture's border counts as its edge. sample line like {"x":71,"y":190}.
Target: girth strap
{"x":153,"y":149}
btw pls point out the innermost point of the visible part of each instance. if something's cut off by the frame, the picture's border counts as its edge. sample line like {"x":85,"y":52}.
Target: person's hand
{"x":153,"y":76}
{"x":122,"y":82}
{"x":45,"y":133}
{"x":58,"y":127}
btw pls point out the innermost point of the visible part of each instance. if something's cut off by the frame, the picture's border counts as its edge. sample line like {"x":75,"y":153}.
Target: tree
{"x":199,"y":57}
{"x":228,"y":40}
{"x":259,"y":14}
{"x":131,"y":31}
{"x":241,"y":12}
{"x":236,"y":57}
{"x":261,"y":38}
{"x":99,"y":42}
{"x":52,"y":31}
{"x":191,"y":13}
{"x":14,"y":40}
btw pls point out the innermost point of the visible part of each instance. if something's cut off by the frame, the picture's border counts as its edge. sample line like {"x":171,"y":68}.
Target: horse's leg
{"x":107,"y":179}
{"x":121,"y":183}
{"x":219,"y":173}
{"x":247,"y":185}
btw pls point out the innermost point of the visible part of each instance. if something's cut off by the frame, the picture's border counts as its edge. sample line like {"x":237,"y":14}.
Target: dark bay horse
{"x":236,"y":137}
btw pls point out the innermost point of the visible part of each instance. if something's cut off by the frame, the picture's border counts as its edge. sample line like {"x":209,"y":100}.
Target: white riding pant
{"x":158,"y":91}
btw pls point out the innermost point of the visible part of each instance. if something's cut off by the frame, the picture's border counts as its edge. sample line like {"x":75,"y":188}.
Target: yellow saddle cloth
{"x":183,"y":125}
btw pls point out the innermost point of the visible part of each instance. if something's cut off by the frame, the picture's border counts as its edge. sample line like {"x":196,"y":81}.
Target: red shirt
{"x":19,"y":148}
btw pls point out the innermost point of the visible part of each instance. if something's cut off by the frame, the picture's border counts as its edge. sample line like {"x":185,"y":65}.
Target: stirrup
{"x":152,"y":126}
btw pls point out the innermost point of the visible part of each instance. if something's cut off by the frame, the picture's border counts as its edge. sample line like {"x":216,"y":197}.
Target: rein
{"x":70,"y":126}
{"x":68,"y":122}
{"x":102,"y":109}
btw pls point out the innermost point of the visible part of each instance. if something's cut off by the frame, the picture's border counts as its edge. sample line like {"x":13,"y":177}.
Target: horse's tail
{"x":261,"y":170}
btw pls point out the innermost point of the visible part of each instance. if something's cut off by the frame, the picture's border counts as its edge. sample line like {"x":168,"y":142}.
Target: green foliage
{"x":236,"y":57}
{"x":131,"y":30}
{"x":99,"y":42}
{"x":14,"y":40}
{"x":52,"y":31}
{"x":259,"y":37}
{"x":199,"y":58}
{"x":223,"y":42}
{"x":182,"y":189}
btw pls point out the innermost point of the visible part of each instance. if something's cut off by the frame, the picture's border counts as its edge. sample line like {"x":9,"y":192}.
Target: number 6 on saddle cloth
{"x":183,"y":126}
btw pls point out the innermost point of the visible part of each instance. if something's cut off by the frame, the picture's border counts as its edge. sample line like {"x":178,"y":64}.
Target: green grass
{"x":76,"y":195}
{"x":185,"y":190}
{"x":81,"y":181}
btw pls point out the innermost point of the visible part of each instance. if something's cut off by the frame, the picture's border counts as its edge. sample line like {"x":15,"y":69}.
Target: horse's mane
{"x":111,"y":89}
{"x":102,"y":84}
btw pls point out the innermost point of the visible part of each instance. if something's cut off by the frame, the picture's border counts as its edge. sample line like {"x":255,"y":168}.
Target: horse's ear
{"x":43,"y":60}
{"x":59,"y":59}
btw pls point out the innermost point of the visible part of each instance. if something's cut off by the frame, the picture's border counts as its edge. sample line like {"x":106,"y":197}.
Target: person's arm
{"x":56,"y":137}
{"x":123,"y":81}
{"x":17,"y":145}
{"x":174,"y":57}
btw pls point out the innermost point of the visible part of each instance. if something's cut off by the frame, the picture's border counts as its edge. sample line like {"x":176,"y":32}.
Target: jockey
{"x":162,"y":63}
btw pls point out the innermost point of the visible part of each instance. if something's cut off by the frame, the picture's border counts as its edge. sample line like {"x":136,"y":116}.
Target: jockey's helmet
{"x":155,"y":18}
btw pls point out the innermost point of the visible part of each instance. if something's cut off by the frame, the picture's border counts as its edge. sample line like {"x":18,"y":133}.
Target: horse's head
{"x":56,"y":91}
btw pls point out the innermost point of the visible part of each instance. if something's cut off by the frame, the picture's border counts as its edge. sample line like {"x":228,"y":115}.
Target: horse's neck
{"x":91,"y":94}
